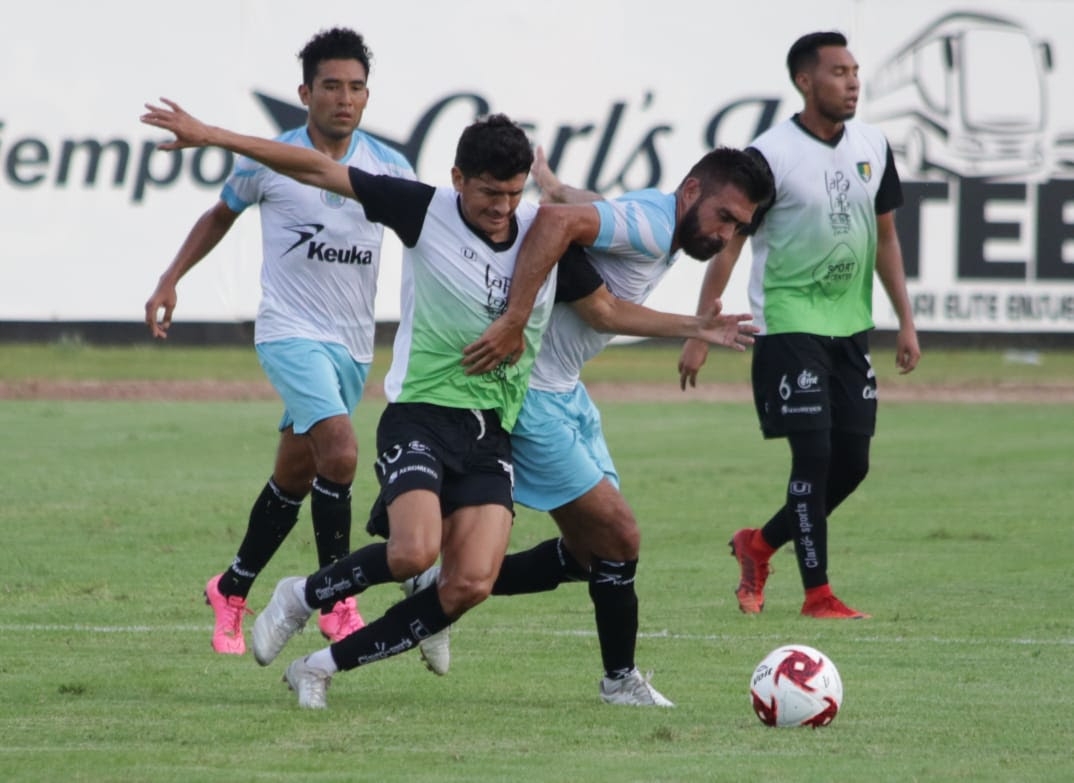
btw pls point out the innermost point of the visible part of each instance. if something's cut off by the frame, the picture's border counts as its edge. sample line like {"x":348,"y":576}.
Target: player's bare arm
{"x":892,"y":274}
{"x":307,"y":166}
{"x":717,"y":273}
{"x":609,"y":314}
{"x":554,"y":228}
{"x":206,"y":233}
{"x":553,"y":191}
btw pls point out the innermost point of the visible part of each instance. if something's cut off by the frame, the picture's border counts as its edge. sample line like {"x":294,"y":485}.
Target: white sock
{"x":323,"y":660}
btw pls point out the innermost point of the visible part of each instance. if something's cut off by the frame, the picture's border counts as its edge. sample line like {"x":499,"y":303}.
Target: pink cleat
{"x":342,"y":621}
{"x":229,"y":610}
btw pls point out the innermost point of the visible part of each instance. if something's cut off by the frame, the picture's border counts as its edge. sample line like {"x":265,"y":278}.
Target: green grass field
{"x":115,"y":513}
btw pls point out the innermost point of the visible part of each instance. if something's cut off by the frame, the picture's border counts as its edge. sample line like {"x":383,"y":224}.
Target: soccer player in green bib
{"x":815,"y":250}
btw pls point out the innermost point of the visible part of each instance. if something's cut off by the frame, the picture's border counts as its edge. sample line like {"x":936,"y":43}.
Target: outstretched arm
{"x":305,"y":165}
{"x":607,"y":313}
{"x":694,"y":351}
{"x":889,"y":268}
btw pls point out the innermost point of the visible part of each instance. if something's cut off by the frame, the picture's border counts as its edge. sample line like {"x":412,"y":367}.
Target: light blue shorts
{"x":315,"y":380}
{"x":559,"y":449}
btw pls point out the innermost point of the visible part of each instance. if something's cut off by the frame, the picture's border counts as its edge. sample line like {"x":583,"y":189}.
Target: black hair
{"x":339,"y":43}
{"x":803,"y":53}
{"x":730,"y":166}
{"x":496,"y":146}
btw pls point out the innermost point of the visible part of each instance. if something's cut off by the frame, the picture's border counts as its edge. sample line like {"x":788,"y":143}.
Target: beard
{"x":692,"y":241}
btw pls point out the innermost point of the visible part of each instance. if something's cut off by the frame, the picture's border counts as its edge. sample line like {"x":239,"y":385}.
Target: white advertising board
{"x":622,"y":95}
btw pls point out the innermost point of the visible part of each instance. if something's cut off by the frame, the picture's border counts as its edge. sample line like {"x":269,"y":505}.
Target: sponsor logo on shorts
{"x":807,"y":380}
{"x":808,"y":410}
{"x":868,"y":393}
{"x":417,"y":447}
{"x":396,"y":474}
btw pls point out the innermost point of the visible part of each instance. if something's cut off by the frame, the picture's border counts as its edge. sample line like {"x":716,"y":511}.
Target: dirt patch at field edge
{"x":216,"y":390}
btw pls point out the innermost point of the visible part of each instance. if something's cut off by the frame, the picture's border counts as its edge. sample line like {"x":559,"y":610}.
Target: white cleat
{"x":284,"y":616}
{"x":436,"y":649}
{"x":633,"y":690}
{"x":311,"y":684}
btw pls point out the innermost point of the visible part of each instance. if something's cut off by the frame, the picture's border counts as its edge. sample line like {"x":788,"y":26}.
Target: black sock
{"x":615,"y":604}
{"x":330,"y":506}
{"x":349,"y":575}
{"x":849,"y":466}
{"x":401,"y":628}
{"x":806,"y":504}
{"x":538,"y":569}
{"x":272,"y":517}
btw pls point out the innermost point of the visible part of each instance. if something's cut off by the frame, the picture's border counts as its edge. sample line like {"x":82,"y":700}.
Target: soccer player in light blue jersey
{"x":562,"y":463}
{"x":314,"y":326}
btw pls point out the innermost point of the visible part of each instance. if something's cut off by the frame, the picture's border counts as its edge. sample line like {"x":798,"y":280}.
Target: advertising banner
{"x":621,"y":95}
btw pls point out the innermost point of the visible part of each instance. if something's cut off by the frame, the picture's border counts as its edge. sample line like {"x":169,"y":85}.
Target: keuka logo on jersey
{"x":319,"y":251}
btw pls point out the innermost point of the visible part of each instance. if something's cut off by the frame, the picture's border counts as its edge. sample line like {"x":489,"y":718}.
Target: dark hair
{"x":803,"y":52}
{"x":495,"y":146}
{"x":729,"y":166}
{"x":339,"y":43}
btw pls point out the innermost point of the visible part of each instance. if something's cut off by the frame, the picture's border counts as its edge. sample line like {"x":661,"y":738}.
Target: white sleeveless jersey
{"x":454,"y":284}
{"x":815,"y":251}
{"x":632,"y":253}
{"x":320,"y":256}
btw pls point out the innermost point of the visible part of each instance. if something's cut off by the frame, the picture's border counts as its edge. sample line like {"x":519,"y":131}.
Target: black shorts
{"x":462,"y":455}
{"x":804,"y":382}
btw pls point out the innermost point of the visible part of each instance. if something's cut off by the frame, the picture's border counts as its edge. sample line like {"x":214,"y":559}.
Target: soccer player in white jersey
{"x":314,"y":327}
{"x":811,"y":291}
{"x":562,"y":463}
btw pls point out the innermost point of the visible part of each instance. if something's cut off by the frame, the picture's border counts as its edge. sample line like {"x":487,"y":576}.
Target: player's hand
{"x":189,"y":131}
{"x":731,"y":330}
{"x":502,"y":342}
{"x":546,"y":179}
{"x":694,"y":353}
{"x":163,"y":298}
{"x":907,"y":350}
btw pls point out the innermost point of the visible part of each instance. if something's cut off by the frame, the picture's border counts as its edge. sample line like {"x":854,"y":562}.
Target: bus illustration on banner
{"x":968,"y":96}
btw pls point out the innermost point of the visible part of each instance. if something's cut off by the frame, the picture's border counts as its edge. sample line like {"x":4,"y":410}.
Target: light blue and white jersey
{"x":632,"y":253}
{"x":320,"y":256}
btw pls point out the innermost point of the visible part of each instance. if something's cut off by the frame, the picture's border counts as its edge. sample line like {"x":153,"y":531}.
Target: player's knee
{"x":410,"y":558}
{"x":338,"y":465}
{"x":621,"y":539}
{"x":459,"y":594}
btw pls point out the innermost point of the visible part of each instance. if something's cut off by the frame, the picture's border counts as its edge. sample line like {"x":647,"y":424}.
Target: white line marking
{"x":665,"y":634}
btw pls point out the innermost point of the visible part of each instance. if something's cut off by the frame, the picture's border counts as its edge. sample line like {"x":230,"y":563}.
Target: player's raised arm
{"x":307,"y":166}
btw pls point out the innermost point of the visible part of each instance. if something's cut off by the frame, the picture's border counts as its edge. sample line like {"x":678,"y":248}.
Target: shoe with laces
{"x":229,"y":611}
{"x":284,"y":616}
{"x":828,"y":607}
{"x":754,"y":569}
{"x":342,"y":621}
{"x":435,"y":649}
{"x":634,"y":690}
{"x":311,"y":684}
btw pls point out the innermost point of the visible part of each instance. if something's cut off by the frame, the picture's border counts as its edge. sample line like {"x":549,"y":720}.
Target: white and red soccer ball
{"x":796,"y":685}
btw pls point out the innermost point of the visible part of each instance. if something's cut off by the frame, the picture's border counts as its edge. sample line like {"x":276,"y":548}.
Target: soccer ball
{"x":796,"y":685}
